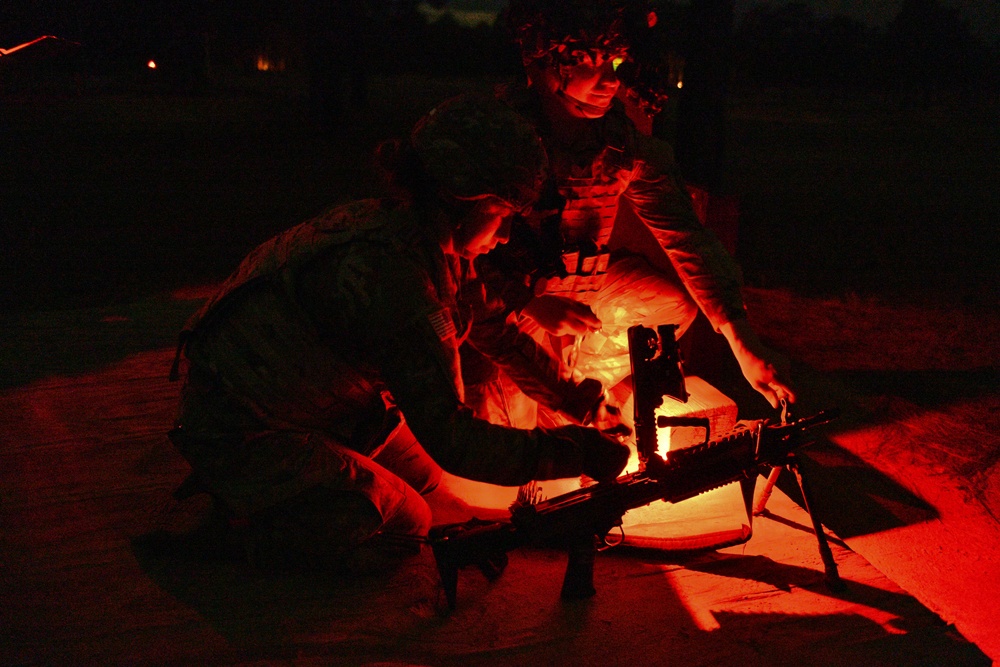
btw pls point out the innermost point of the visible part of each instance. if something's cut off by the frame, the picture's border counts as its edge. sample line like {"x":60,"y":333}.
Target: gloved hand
{"x":583,"y":400}
{"x":602,"y":458}
{"x":608,"y":420}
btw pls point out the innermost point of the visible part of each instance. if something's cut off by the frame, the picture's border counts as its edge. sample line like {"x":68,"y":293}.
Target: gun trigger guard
{"x":605,"y":545}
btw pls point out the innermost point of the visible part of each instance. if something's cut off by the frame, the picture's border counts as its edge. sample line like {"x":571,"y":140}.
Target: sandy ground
{"x":919,"y":385}
{"x":905,"y":482}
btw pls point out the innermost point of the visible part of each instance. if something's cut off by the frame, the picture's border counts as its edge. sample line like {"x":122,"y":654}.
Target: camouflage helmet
{"x":567,"y":30}
{"x":474,"y":147}
{"x":564,"y":32}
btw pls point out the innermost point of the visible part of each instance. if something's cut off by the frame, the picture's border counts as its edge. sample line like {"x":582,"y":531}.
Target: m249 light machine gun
{"x":580,"y":521}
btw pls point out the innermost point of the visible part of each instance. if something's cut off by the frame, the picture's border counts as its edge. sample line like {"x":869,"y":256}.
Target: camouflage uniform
{"x":567,"y":253}
{"x":300,"y":369}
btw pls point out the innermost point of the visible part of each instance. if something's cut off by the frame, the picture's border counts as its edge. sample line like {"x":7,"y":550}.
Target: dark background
{"x":863,"y":157}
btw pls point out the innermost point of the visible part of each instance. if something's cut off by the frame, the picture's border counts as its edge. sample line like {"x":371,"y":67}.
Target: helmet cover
{"x":476,"y":147}
{"x":567,"y":30}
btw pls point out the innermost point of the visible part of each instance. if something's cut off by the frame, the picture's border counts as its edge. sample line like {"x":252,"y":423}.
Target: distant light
{"x":265,"y":64}
{"x":151,"y":64}
{"x":680,"y":84}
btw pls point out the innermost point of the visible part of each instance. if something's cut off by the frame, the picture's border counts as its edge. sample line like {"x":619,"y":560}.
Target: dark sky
{"x":983,"y":15}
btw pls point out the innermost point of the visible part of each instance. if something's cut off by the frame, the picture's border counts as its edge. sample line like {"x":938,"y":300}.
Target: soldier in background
{"x":326,"y":369}
{"x":558,"y":275}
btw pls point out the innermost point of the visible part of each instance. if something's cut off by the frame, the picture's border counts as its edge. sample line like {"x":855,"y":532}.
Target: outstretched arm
{"x":417,"y":358}
{"x":764,"y":369}
{"x":706,"y":269}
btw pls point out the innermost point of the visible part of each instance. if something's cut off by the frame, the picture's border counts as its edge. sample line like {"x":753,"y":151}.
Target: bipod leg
{"x":765,"y":493}
{"x":833,"y":579}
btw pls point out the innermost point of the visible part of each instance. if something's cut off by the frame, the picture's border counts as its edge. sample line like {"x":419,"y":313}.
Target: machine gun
{"x":580,"y":521}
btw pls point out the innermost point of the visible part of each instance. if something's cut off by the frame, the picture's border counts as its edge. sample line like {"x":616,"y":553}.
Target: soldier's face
{"x":584,"y":90}
{"x":486,"y":226}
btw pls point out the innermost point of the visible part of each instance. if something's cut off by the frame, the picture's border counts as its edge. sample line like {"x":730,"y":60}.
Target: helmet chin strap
{"x":581,"y":106}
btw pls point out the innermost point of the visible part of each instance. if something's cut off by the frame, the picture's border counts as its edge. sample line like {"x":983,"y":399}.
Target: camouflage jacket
{"x":591,"y":175}
{"x":323,"y":323}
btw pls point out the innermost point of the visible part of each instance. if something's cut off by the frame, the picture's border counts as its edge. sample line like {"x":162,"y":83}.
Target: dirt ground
{"x":87,"y":477}
{"x":918,"y":447}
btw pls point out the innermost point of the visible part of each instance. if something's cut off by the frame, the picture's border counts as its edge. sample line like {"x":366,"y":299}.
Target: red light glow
{"x":151,"y":64}
{"x":6,"y":52}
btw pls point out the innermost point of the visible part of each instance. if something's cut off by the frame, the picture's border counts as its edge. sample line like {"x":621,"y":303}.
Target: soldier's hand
{"x":608,"y":420}
{"x":763,"y":368}
{"x":560,"y":316}
{"x":767,"y":373}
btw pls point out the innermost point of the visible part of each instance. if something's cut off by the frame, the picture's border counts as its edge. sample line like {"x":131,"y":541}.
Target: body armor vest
{"x":590,"y":177}
{"x":587,"y":220}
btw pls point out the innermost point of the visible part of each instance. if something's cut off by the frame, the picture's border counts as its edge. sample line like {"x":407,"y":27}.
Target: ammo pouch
{"x":583,"y":268}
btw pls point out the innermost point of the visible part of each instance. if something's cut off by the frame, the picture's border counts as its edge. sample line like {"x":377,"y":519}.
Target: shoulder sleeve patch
{"x":444,"y":325}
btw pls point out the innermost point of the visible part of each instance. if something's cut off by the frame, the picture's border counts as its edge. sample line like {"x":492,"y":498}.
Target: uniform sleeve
{"x":405,"y":331}
{"x":705,"y":267}
{"x":534,"y":370}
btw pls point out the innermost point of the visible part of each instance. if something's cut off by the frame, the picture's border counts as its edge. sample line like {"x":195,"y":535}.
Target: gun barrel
{"x":818,"y":419}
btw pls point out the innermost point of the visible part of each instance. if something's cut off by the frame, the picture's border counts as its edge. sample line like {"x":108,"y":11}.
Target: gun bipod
{"x":833,"y":580}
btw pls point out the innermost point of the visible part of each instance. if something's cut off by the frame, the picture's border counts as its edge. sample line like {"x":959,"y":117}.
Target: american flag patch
{"x":443,"y":325}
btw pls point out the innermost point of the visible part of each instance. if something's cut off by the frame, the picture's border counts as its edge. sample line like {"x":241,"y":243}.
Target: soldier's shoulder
{"x":620,"y":130}
{"x":655,"y":153}
{"x":366,"y":218}
{"x":354,"y":215}
{"x":521,"y":99}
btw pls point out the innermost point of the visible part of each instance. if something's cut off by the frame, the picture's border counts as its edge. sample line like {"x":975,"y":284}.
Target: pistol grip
{"x":448,"y":571}
{"x":578,"y":583}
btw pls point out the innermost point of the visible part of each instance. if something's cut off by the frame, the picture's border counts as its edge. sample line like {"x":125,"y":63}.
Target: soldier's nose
{"x":503,"y":233}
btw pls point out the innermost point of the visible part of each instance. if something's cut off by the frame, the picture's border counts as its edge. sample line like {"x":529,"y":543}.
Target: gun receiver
{"x":580,"y":521}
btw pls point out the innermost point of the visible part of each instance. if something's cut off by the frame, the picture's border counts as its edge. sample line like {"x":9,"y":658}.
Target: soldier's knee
{"x":412,"y":517}
{"x":406,"y":458}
